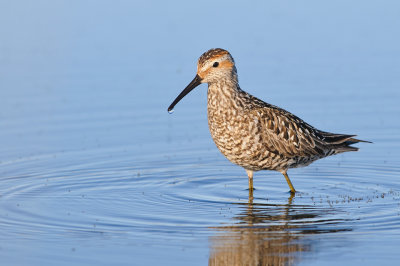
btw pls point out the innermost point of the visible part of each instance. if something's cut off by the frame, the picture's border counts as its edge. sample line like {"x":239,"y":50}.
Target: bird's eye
{"x":216,"y":64}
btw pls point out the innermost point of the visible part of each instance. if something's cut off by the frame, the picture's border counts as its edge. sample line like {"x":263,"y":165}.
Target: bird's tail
{"x":341,"y":142}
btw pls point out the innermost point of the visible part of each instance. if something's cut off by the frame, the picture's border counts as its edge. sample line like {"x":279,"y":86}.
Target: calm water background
{"x":93,"y":170}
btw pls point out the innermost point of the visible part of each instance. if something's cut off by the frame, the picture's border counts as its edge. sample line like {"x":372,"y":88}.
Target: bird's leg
{"x":250,"y":175}
{"x":292,"y":190}
{"x":290,"y":199}
{"x":250,"y":197}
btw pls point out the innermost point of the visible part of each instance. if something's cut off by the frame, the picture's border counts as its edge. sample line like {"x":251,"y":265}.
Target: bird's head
{"x":213,"y":66}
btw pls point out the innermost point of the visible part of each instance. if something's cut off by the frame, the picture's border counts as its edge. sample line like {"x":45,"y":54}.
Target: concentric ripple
{"x":124,"y":198}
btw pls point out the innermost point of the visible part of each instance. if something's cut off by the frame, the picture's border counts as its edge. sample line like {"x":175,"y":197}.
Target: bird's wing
{"x":288,"y":135}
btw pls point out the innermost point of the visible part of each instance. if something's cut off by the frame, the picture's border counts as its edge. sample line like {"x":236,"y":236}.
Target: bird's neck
{"x":223,"y":93}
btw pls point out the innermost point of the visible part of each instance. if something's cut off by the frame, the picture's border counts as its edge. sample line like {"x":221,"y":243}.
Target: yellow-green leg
{"x":292,"y":190}
{"x":250,"y":175}
{"x":251,"y":197}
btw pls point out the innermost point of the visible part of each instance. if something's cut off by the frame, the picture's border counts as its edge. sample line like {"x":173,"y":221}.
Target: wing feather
{"x":287,"y":134}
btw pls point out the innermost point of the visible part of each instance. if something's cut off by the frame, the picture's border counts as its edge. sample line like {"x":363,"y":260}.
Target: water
{"x":93,"y":170}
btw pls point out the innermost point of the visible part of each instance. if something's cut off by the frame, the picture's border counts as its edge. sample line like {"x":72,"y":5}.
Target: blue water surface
{"x":94,"y":171}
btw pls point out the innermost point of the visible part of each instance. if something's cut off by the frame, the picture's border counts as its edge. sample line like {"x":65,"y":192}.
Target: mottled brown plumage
{"x":252,"y":133}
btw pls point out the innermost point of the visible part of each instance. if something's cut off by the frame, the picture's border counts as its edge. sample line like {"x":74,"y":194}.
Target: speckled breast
{"x":237,"y":134}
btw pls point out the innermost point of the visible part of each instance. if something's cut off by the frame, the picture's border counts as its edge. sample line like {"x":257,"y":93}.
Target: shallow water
{"x":93,"y":170}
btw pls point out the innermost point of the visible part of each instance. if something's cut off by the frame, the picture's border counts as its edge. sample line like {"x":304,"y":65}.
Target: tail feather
{"x":344,"y":148}
{"x":341,"y":142}
{"x":352,"y":141}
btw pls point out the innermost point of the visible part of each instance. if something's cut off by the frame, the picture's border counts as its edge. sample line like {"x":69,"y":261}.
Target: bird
{"x":252,"y":133}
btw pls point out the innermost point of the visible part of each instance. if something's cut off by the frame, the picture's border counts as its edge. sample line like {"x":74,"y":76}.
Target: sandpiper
{"x":252,"y":133}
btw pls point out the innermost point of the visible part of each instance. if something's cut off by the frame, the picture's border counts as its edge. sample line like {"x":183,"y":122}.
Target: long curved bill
{"x":193,"y":84}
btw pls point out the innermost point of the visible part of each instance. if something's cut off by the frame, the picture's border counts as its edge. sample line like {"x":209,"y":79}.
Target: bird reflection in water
{"x":270,"y":234}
